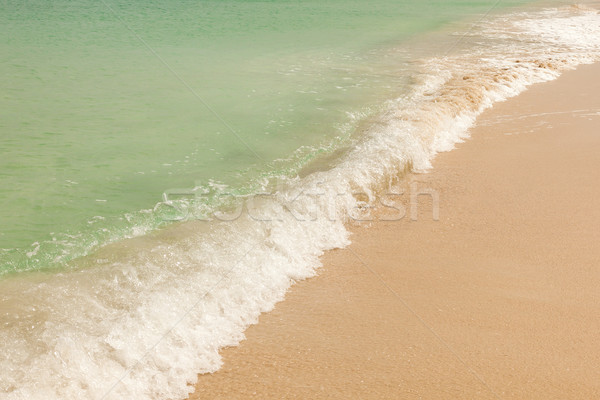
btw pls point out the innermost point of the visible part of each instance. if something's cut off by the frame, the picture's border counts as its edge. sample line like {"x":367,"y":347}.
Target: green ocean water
{"x":104,"y":105}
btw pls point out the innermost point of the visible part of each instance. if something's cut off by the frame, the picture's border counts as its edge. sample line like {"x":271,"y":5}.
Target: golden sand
{"x":499,"y":299}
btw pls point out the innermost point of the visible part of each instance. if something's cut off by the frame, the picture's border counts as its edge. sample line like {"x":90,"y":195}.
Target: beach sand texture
{"x":498,"y":299}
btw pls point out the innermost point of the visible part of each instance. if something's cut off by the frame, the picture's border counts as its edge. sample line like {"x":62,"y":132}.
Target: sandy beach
{"x":498,"y":299}
{"x":384,"y":199}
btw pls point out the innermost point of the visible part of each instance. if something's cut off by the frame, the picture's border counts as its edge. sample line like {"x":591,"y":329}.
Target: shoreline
{"x":506,"y":305}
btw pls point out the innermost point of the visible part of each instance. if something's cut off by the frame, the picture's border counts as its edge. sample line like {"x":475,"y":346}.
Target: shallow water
{"x":108,"y":104}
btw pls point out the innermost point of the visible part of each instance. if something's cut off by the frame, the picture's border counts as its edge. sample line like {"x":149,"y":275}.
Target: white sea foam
{"x":140,"y":318}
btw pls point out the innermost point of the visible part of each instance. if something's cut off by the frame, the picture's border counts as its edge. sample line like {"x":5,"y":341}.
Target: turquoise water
{"x":105,"y":105}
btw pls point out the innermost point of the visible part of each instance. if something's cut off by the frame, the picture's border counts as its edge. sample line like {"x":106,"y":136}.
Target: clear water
{"x":107,"y":104}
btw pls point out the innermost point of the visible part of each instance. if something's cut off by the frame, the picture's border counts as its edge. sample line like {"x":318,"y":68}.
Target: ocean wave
{"x":140,"y":318}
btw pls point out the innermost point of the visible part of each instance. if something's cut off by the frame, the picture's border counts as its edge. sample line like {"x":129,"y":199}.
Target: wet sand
{"x":498,"y":299}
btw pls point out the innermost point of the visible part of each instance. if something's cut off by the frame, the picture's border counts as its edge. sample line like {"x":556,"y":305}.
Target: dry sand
{"x":500,"y":298}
